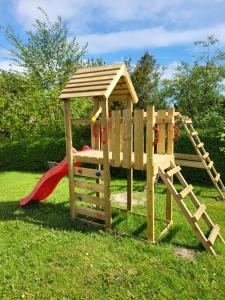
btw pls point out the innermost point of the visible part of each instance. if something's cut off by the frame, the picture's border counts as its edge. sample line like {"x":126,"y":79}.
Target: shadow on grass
{"x":56,"y":216}
{"x":168,"y":239}
{"x":49,"y":215}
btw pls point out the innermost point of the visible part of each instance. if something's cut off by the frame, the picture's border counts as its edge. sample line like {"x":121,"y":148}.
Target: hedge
{"x":32,"y":154}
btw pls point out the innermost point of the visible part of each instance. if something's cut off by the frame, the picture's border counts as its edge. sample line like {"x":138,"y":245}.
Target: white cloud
{"x":83,"y":14}
{"x":7,"y":65}
{"x":149,"y":37}
{"x":169,"y":71}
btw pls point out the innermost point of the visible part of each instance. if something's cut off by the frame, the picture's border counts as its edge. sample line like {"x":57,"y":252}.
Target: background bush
{"x":32,"y":154}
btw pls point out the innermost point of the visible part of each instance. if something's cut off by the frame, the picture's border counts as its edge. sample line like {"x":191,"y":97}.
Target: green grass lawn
{"x":45,"y":256}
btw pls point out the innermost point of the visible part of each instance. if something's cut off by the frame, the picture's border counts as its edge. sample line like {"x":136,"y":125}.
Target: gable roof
{"x":110,"y":81}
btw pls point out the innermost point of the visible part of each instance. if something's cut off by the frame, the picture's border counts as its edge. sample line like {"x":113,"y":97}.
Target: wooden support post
{"x":106,"y":166}
{"x":129,"y":189}
{"x":69,"y":154}
{"x":150,"y":175}
{"x":97,"y":139}
{"x":130,"y":170}
{"x":170,"y":150}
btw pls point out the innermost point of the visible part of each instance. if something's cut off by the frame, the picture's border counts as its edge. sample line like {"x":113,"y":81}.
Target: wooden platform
{"x":96,"y":157}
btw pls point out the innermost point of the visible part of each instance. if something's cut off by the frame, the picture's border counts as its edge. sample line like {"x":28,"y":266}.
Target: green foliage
{"x":32,"y":154}
{"x":145,"y":77}
{"x":198,"y":89}
{"x":48,"y":56}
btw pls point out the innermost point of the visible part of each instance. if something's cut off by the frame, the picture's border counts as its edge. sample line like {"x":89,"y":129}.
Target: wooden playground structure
{"x":132,"y":140}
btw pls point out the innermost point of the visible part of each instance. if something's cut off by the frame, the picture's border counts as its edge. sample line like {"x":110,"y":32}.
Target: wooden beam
{"x":106,"y":165}
{"x":69,"y":154}
{"x":150,"y":175}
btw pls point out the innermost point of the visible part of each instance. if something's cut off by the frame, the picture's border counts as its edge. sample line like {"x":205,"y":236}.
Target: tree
{"x":145,"y":77}
{"x":198,"y":88}
{"x":47,"y":56}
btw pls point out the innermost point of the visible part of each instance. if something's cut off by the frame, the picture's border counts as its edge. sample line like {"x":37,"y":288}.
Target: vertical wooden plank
{"x":161,"y":146}
{"x":69,"y":154}
{"x":116,"y":138}
{"x":170,"y":150}
{"x":127,"y":138}
{"x":130,"y":151}
{"x":150,"y":175}
{"x":170,"y":132}
{"x":95,"y":127}
{"x":110,"y":133}
{"x":138,"y":138}
{"x":106,"y":166}
{"x":96,"y":138}
{"x":121,"y":135}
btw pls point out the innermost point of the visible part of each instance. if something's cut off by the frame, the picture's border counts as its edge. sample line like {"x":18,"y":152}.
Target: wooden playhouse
{"x":132,"y":140}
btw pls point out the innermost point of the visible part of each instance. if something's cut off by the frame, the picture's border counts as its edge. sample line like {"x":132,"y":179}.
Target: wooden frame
{"x":120,"y":142}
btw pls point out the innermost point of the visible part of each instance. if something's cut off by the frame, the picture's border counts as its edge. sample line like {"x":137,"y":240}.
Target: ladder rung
{"x":194,"y":133}
{"x":200,"y":145}
{"x":217,"y":177}
{"x":173,"y":171}
{"x":186,"y":191}
{"x":89,"y":186}
{"x":188,"y":121}
{"x":205,"y":155}
{"x":93,"y":213}
{"x":210,"y":164}
{"x":199,"y":212}
{"x":213,"y":234}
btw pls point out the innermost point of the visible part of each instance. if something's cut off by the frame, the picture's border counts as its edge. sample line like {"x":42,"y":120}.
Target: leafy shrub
{"x":32,"y":154}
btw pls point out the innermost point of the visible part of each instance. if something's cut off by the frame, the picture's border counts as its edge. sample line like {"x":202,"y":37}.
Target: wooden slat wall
{"x":138,"y":138}
{"x":161,"y":146}
{"x":127,"y":138}
{"x":116,"y":137}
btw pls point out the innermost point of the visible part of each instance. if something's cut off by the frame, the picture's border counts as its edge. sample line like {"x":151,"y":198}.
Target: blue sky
{"x":119,"y":29}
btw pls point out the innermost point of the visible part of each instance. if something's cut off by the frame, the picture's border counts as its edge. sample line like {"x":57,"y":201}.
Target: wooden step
{"x":86,"y":172}
{"x":213,"y":234}
{"x":217,"y":177}
{"x":200,"y":145}
{"x":188,"y":121}
{"x":89,"y":186}
{"x":210,"y":165}
{"x":93,"y":213}
{"x":186,"y":191}
{"x":193,"y":133}
{"x":90,"y":199}
{"x":173,"y":171}
{"x":205,"y":155}
{"x":199,"y":212}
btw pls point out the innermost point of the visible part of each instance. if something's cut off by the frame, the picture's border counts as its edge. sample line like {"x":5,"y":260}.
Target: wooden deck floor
{"x":96,"y":157}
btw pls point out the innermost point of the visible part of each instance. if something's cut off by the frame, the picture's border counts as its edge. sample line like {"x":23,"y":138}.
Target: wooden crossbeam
{"x":217,"y":177}
{"x":93,"y":213}
{"x":186,"y":191}
{"x":200,"y":145}
{"x":205,"y":155}
{"x":173,"y":171}
{"x":213,"y":234}
{"x":90,"y":199}
{"x":87,"y":172}
{"x":89,"y":186}
{"x":199,"y":212}
{"x":193,"y":133}
{"x":210,"y":165}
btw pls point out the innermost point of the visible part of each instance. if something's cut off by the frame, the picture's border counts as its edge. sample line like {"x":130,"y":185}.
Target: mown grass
{"x":45,"y":256}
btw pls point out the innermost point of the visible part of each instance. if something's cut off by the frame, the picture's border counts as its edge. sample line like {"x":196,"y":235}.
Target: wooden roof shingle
{"x":110,"y":81}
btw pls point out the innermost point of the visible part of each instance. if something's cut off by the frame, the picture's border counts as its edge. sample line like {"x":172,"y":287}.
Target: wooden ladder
{"x":199,"y":148}
{"x":96,"y":200}
{"x":207,"y":242}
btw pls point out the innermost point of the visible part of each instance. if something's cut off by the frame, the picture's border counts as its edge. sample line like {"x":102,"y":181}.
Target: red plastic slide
{"x":49,"y":181}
